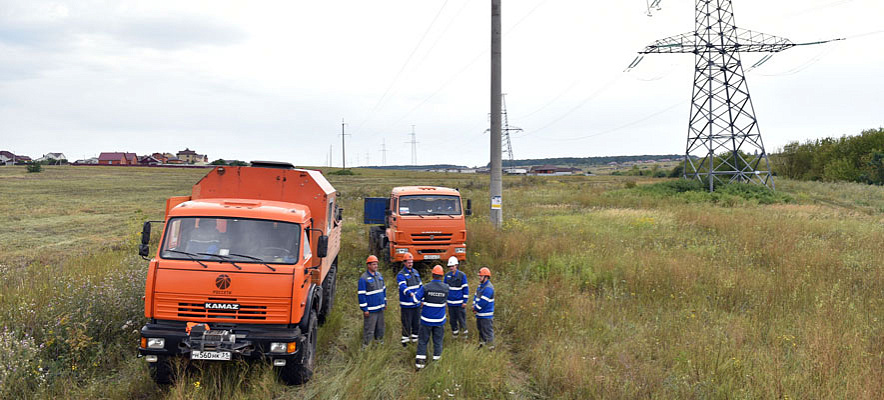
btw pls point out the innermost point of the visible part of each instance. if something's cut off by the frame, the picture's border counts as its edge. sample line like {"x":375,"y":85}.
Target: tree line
{"x":848,"y":158}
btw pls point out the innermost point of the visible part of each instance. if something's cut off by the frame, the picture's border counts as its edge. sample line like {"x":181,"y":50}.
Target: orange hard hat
{"x":437,"y":270}
{"x":485,"y":272}
{"x":408,"y":256}
{"x":371,"y":259}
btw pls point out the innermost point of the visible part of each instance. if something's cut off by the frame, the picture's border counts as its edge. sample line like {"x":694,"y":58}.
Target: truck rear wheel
{"x":328,"y":292}
{"x":161,"y":371}
{"x":297,"y":373}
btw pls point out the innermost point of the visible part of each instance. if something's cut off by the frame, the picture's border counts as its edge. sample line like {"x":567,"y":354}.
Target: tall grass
{"x":602,"y":292}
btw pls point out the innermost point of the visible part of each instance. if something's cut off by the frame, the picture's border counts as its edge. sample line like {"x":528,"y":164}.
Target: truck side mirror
{"x":388,"y":212}
{"x":469,"y":210}
{"x":144,"y":248}
{"x":322,"y":246}
{"x":339,"y":214}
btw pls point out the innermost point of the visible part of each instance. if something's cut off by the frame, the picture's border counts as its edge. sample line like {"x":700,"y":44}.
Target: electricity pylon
{"x":724,"y":142}
{"x":507,"y":128}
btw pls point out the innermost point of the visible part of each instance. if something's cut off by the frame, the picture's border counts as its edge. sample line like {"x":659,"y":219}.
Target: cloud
{"x":66,"y":29}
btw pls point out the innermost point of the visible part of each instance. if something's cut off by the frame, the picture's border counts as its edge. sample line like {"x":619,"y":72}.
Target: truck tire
{"x":161,"y":371}
{"x":385,"y":258}
{"x":329,"y":288}
{"x":376,"y":240}
{"x":297,"y":373}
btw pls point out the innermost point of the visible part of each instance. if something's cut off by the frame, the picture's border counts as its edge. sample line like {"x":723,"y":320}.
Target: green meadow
{"x":606,"y":287}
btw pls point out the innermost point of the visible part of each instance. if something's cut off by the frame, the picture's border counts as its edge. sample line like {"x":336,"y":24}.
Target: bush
{"x":342,"y":172}
{"x":35,"y":167}
{"x":727,"y":194}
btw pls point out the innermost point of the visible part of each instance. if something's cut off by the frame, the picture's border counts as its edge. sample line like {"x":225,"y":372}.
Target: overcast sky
{"x":272,"y":80}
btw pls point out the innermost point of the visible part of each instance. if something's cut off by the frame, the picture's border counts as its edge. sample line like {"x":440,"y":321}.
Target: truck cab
{"x":426,"y":221}
{"x":245,"y":269}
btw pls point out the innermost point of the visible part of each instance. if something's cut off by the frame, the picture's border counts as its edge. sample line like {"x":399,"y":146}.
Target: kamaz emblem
{"x":221,"y":306}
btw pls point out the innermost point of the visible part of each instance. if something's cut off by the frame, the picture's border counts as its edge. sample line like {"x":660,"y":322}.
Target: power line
{"x":402,"y":69}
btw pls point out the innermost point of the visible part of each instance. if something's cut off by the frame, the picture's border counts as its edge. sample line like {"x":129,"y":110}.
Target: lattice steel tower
{"x":507,"y":129}
{"x":724,"y":142}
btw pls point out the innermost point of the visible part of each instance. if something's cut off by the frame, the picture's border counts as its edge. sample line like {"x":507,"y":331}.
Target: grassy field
{"x":602,"y":292}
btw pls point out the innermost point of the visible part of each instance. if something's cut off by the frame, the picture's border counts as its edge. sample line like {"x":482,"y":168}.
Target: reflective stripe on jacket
{"x":483,"y":302}
{"x":372,"y":292}
{"x":409,"y":281}
{"x":433,"y":296}
{"x":458,"y":289}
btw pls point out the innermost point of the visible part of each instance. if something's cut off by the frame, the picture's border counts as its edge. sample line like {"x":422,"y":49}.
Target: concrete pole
{"x":343,"y":149}
{"x":496,"y":170}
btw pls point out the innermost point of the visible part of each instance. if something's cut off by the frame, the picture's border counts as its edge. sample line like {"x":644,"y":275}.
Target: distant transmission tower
{"x":384,"y":152}
{"x":724,"y":142}
{"x":413,"y":143}
{"x":507,"y":128}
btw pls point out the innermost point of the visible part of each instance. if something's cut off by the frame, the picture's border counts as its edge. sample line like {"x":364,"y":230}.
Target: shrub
{"x":35,"y":167}
{"x":342,"y":172}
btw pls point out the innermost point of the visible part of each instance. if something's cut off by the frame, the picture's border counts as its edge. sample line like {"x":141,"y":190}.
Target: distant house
{"x":117,"y":159}
{"x":544,"y":170}
{"x":191,"y":157}
{"x":554,"y":170}
{"x":148,"y":160}
{"x":52,"y":157}
{"x":7,"y":158}
{"x":161,"y":157}
{"x":88,"y":161}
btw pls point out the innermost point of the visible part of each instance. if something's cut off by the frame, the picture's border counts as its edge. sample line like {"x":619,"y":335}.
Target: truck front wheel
{"x":296,"y":373}
{"x":161,"y":371}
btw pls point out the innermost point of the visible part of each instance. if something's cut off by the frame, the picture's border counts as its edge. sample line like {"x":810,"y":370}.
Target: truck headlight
{"x":401,"y":251}
{"x":277,"y":347}
{"x":156,"y":343}
{"x":460,"y":250}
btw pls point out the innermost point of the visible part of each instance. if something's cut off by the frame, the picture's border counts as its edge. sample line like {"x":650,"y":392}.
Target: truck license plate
{"x":210,"y":355}
{"x":431,"y":257}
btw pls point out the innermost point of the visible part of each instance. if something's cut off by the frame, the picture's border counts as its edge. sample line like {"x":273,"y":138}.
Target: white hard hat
{"x":452,"y":261}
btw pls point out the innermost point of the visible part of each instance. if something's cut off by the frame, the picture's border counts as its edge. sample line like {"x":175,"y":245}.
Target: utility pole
{"x":384,"y":152}
{"x":496,"y":170}
{"x":367,"y":159}
{"x":329,"y":156}
{"x":343,"y":149}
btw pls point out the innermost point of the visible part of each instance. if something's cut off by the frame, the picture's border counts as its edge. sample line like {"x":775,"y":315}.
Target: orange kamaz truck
{"x":426,"y":221}
{"x":245,"y":269}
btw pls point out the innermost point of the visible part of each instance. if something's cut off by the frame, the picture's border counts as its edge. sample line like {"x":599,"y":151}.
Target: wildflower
{"x":196,"y":384}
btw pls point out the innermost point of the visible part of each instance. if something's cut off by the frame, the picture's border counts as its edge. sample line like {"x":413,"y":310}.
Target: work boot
{"x":419,"y":363}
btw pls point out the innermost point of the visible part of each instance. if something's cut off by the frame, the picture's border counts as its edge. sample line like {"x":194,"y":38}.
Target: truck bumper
{"x":430,"y":252}
{"x":250,"y":341}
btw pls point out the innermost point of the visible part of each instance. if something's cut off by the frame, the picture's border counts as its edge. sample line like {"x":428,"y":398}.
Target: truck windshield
{"x":239,"y":240}
{"x":429,"y":205}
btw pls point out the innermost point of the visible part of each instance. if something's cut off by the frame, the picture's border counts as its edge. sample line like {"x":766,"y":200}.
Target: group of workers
{"x":422,"y":307}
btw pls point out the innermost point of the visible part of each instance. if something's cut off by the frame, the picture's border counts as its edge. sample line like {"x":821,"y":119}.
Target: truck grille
{"x":251,"y":309}
{"x":431,"y":237}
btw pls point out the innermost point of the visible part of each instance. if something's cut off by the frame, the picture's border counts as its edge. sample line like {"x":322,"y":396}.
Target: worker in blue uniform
{"x":433,"y":297}
{"x":483,"y":307}
{"x":458,"y":295}
{"x":409,"y":280}
{"x":372,"y":293}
